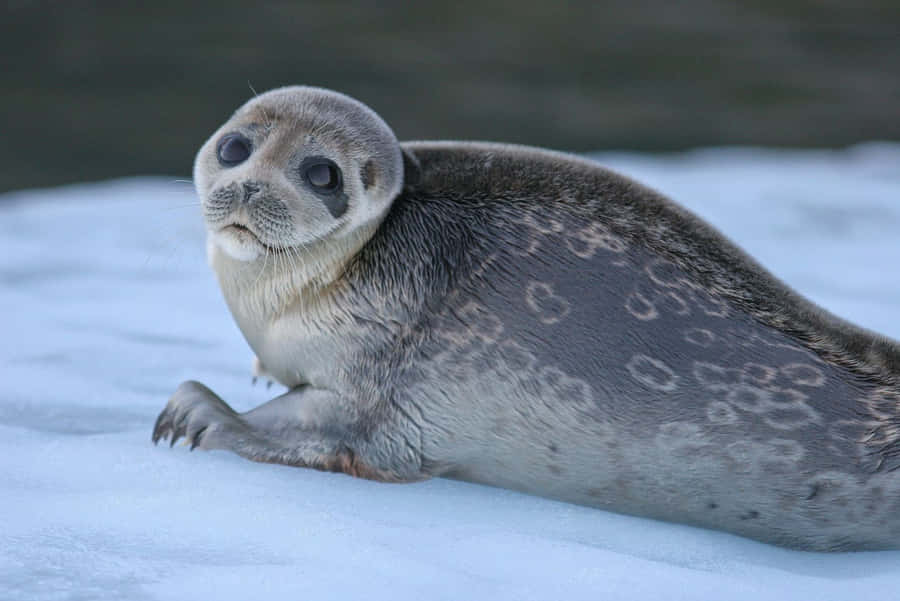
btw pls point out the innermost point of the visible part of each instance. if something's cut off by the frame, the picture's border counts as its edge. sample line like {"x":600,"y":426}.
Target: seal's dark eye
{"x":323,"y":175}
{"x":233,"y":149}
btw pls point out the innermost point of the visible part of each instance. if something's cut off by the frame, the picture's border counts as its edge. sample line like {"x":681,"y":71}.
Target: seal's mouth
{"x":243,"y":233}
{"x":237,"y":227}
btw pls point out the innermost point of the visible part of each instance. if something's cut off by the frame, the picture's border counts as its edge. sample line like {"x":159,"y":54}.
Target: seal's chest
{"x":295,"y":352}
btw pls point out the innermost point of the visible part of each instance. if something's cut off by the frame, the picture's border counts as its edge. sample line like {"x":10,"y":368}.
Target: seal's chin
{"x":238,"y":242}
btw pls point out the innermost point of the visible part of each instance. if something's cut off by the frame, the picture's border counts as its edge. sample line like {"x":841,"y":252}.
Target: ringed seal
{"x":527,"y":319}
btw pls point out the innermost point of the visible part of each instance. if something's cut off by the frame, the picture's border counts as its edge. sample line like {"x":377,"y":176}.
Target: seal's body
{"x":527,"y":319}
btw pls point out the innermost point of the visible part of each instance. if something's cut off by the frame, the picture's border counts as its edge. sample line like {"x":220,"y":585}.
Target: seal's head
{"x":294,"y":167}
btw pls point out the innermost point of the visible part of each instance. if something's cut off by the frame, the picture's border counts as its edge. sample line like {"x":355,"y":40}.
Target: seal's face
{"x":294,"y":167}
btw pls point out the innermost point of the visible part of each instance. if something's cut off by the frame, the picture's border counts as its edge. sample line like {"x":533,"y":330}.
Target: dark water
{"x":99,"y":89}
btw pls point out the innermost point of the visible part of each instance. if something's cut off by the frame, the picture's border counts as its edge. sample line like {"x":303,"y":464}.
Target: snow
{"x":107,"y":305}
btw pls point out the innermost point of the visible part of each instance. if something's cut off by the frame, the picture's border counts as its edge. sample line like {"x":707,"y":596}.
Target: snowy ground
{"x":107,"y":305}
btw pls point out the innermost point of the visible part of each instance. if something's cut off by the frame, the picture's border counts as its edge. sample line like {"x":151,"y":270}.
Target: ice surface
{"x":107,"y":305}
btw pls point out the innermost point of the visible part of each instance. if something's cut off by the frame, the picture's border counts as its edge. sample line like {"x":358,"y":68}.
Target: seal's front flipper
{"x":196,"y":413}
{"x":302,"y":428}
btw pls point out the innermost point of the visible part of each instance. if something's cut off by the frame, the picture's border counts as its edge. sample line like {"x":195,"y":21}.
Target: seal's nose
{"x":250,"y":188}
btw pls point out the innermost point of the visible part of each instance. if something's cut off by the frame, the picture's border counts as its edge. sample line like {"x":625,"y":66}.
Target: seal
{"x":528,"y":319}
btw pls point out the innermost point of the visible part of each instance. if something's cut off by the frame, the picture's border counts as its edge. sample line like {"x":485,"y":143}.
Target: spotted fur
{"x":528,"y":319}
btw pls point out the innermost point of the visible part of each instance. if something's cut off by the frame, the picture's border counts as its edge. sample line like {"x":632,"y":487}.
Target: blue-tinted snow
{"x":107,"y":305}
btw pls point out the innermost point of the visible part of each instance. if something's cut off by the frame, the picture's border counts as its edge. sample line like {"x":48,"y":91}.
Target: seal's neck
{"x":284,"y":280}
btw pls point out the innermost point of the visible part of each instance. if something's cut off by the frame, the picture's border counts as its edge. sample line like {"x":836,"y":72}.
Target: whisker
{"x":263,"y":268}
{"x":289,"y":267}
{"x":172,"y":208}
{"x":265,"y":116}
{"x":290,"y":255}
{"x":276,"y":266}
